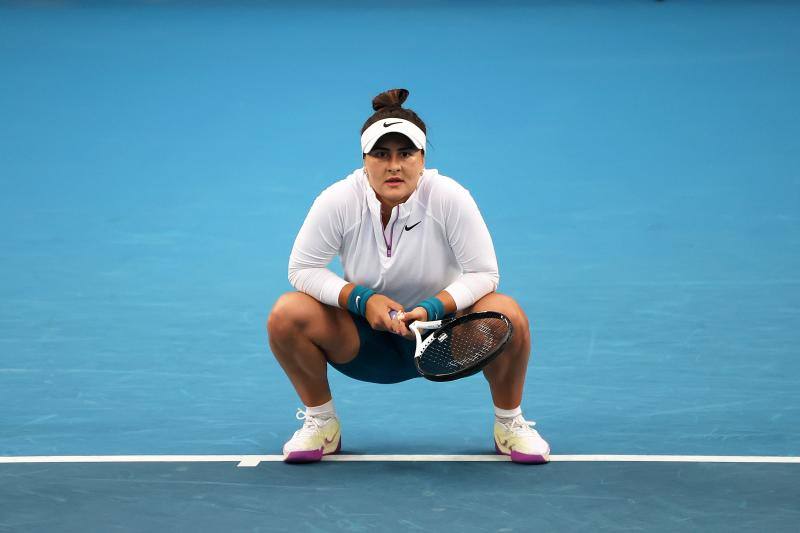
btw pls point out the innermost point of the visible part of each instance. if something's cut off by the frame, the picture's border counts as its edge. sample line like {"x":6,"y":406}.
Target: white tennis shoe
{"x":517,"y":438}
{"x":318,"y":437}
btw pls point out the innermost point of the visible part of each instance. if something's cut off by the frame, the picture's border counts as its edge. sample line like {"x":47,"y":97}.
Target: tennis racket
{"x":455,"y":348}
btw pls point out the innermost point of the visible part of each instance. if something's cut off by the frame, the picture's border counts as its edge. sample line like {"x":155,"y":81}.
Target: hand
{"x":377,"y":312}
{"x":403,"y":320}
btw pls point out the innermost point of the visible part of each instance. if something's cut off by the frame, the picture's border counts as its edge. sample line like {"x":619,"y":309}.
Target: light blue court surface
{"x":637,"y":163}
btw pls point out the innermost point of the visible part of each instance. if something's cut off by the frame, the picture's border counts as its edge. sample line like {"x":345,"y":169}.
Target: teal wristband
{"x":434,"y":308}
{"x":357,"y":301}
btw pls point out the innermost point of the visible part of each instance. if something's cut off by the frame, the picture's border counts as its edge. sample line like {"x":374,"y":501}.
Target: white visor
{"x":391,"y":125}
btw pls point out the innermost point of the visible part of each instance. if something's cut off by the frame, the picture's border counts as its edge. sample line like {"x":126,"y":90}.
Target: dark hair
{"x":389,"y":104}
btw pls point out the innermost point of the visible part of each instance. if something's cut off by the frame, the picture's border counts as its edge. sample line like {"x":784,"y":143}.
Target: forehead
{"x":393,"y":141}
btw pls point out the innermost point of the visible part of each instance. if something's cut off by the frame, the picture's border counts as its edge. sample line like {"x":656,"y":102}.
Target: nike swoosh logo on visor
{"x":387,"y":124}
{"x":409,"y":228}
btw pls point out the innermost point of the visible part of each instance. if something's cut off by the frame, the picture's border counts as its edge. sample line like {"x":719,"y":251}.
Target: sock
{"x":326,"y":410}
{"x":507,"y":413}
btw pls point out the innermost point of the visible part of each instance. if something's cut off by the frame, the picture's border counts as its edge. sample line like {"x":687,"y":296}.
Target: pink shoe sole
{"x":524,"y":458}
{"x":309,"y":456}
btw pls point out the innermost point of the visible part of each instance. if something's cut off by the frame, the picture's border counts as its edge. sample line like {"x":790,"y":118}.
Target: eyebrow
{"x":401,"y":149}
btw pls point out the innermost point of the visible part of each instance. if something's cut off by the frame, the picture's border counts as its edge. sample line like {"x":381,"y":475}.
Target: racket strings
{"x":463,"y":346}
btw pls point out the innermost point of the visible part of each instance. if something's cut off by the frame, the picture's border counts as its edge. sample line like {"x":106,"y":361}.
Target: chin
{"x":397,"y":196}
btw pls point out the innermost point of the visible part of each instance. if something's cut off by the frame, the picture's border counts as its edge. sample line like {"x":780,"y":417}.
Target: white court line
{"x":254,"y":460}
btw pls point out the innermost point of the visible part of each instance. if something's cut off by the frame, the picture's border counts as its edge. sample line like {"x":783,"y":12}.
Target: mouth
{"x":394,"y":181}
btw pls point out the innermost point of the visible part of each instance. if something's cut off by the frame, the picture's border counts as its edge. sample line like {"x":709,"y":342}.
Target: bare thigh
{"x":329,"y":328}
{"x":495,"y":301}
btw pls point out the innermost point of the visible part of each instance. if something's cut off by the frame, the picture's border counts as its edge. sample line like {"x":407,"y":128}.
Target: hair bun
{"x":390,"y":98}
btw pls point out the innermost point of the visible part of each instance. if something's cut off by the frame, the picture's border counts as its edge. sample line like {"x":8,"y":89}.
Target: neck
{"x":386,"y":212}
{"x":387,"y":205}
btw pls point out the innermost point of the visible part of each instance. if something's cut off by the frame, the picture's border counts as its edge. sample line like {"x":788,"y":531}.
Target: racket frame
{"x":438,"y":324}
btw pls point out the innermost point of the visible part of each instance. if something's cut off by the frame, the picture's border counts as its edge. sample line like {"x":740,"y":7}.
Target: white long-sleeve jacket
{"x":435,"y":240}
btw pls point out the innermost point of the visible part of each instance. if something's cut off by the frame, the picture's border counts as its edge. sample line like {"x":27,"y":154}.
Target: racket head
{"x":463,"y":346}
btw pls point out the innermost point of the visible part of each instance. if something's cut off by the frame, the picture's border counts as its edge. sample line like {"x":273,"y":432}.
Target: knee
{"x":519,"y":320}
{"x":288,"y":315}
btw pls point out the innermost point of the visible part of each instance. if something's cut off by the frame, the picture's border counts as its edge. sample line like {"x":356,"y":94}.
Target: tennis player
{"x":409,"y":240}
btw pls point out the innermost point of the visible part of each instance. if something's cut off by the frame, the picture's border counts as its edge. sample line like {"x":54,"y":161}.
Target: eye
{"x":406,"y":155}
{"x":380,"y":154}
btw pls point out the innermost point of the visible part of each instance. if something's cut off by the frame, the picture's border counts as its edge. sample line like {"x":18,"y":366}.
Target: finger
{"x":406,"y":331}
{"x":388,"y":323}
{"x":403,"y":330}
{"x":402,"y":326}
{"x":391,"y":304}
{"x":418,"y":313}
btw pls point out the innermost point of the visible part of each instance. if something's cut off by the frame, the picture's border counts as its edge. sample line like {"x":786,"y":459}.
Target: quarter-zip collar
{"x":388,"y":238}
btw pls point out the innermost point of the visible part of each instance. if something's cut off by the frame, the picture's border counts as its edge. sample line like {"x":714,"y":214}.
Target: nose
{"x":394,"y":163}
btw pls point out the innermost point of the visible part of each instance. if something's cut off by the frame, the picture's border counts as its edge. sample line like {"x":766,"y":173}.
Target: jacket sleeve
{"x":317,"y":243}
{"x":472,"y":245}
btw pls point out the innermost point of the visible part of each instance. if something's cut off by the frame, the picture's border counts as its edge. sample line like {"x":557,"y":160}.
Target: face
{"x":393,"y":168}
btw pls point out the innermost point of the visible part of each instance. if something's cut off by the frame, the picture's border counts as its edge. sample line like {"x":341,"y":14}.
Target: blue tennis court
{"x":635,"y":161}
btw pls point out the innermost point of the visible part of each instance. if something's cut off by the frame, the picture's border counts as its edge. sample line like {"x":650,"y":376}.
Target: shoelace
{"x":520,"y":426}
{"x":310,"y":423}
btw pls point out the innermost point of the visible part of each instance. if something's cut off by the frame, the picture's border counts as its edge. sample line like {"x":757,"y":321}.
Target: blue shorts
{"x":383,"y":357}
